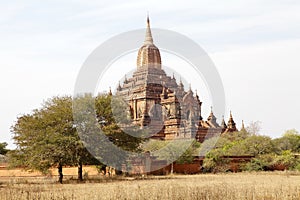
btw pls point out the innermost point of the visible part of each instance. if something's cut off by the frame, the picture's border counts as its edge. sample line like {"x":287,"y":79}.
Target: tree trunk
{"x":60,"y":173}
{"x":172,"y":167}
{"x":80,"y":171}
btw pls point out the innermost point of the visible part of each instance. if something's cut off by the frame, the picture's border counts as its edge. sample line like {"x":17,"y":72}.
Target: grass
{"x":272,"y":185}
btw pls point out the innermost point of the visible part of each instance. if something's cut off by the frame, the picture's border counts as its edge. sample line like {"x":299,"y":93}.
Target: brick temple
{"x":159,"y":102}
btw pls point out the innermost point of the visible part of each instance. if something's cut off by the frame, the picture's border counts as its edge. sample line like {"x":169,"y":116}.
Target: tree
{"x":285,"y":159}
{"x":215,"y":162}
{"x":293,"y":137}
{"x":106,"y":136}
{"x":290,"y":140}
{"x":3,"y":149}
{"x":190,"y":153}
{"x":256,"y":145}
{"x":236,"y":136}
{"x":181,"y":151}
{"x":47,"y":138}
{"x":254,"y":128}
{"x":260,"y":163}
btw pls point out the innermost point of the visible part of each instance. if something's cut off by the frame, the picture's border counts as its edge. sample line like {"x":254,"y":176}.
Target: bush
{"x":256,"y":164}
{"x":297,"y":167}
{"x":214,"y":162}
{"x":260,"y":163}
{"x":286,"y":160}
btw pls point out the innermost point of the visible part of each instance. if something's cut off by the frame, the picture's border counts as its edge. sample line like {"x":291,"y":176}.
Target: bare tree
{"x":254,"y":128}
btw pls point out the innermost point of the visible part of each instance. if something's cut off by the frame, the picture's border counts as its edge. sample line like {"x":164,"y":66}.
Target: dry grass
{"x":68,"y":171}
{"x":276,"y":185}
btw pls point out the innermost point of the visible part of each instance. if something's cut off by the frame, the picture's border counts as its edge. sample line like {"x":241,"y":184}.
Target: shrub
{"x":256,"y":164}
{"x":214,"y":162}
{"x":297,"y":167}
{"x":260,"y":163}
{"x":286,"y":160}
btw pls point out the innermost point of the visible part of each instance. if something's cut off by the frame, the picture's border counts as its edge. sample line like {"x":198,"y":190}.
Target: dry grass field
{"x":273,"y":185}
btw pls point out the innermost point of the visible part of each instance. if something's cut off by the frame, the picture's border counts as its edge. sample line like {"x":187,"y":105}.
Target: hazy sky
{"x":255,"y":45}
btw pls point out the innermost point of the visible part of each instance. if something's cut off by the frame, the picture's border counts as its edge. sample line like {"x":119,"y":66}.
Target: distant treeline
{"x":268,"y":154}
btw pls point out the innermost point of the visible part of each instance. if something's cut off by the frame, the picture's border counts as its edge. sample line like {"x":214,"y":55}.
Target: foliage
{"x":243,"y":144}
{"x":297,"y":167}
{"x":285,"y":159}
{"x":215,"y":162}
{"x":272,"y":161}
{"x":256,"y":145}
{"x":47,"y":138}
{"x":181,"y":151}
{"x":3,"y":149}
{"x":289,"y":141}
{"x":276,"y":154}
{"x":176,"y":150}
{"x":256,"y":164}
{"x":188,"y":155}
{"x":236,"y":135}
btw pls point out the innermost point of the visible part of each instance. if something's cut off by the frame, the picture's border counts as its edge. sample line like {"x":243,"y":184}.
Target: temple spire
{"x":119,"y":88}
{"x":197,"y":97}
{"x":231,"y":123}
{"x":148,"y":54}
{"x":223,"y":124}
{"x":148,"y":36}
{"x":243,"y":126}
{"x":212,"y":118}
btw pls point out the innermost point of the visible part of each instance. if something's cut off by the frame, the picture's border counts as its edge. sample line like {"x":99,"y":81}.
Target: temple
{"x":159,"y":103}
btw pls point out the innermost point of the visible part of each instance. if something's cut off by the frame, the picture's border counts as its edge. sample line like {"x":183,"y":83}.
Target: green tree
{"x":190,"y":153}
{"x":290,"y":140}
{"x":181,"y":151}
{"x":215,"y":162}
{"x":285,"y":159}
{"x":47,"y":138}
{"x":236,"y":136}
{"x":99,"y":123}
{"x":256,"y":145}
{"x":3,"y":149}
{"x":260,"y":163}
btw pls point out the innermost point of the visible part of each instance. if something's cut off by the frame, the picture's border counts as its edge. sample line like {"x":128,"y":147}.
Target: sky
{"x":254,"y":44}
